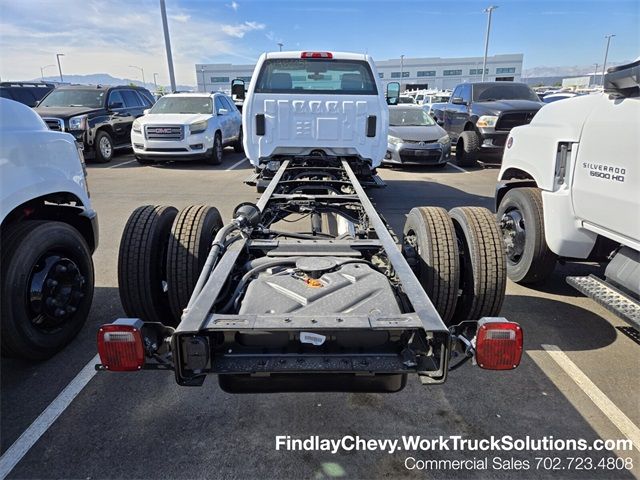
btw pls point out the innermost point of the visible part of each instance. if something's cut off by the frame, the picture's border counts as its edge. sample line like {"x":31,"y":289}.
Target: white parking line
{"x":123,"y":163}
{"x":41,"y":424}
{"x":236,"y":164}
{"x":606,"y":406}
{"x":457,"y":167}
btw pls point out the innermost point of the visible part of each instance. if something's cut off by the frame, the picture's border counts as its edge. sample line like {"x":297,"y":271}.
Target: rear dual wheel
{"x":162,"y":252}
{"x":459,"y":260}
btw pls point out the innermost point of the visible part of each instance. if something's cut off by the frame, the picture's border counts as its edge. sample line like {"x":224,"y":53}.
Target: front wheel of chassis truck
{"x":430,"y":247}
{"x":142,"y":278}
{"x":483,"y":270}
{"x":190,"y":241}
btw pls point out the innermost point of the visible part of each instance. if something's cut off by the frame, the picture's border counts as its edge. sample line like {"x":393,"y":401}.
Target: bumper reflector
{"x":499,"y":344}
{"x":120,"y":347}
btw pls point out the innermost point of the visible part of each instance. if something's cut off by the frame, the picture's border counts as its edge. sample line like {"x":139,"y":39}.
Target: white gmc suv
{"x":187,"y":126}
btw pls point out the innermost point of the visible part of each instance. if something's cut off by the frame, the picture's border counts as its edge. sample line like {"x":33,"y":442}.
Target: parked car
{"x":554,"y":97}
{"x":415,"y":138}
{"x":479,"y":116}
{"x":49,"y":231}
{"x":568,"y":190}
{"x":99,"y":117}
{"x":188,"y":126}
{"x":436,"y":102}
{"x":28,"y":93}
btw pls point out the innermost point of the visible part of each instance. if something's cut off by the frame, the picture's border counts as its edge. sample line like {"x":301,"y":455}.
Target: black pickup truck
{"x":99,"y":117}
{"x":479,"y":116}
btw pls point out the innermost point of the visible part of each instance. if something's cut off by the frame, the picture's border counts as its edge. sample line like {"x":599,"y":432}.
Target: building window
{"x":405,"y":74}
{"x":426,"y":73}
{"x":397,"y":74}
{"x":380,"y":75}
{"x":219,"y":79}
{"x":478,"y":71}
{"x":506,"y":70}
{"x":450,"y":73}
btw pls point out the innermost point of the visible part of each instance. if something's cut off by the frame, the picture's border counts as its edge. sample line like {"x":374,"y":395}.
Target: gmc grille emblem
{"x":163,"y":130}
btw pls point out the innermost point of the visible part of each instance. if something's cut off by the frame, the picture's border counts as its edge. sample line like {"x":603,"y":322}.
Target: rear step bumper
{"x":608,"y":296}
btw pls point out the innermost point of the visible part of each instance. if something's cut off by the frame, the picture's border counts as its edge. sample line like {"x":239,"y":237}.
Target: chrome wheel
{"x":105,"y":147}
{"x":513,"y":234}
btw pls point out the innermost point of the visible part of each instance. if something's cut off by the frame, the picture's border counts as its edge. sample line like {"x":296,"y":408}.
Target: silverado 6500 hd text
{"x":333,"y":304}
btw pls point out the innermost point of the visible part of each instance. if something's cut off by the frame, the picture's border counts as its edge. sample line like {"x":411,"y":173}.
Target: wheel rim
{"x":513,"y":234}
{"x":105,"y":147}
{"x":55,"y":290}
{"x":218,"y":148}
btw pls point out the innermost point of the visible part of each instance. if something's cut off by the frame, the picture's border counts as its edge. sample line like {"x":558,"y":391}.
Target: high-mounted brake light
{"x":120,"y":345}
{"x":316,"y":55}
{"x":498,"y":345}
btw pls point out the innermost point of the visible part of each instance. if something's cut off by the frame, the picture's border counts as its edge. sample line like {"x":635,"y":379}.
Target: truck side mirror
{"x":393,"y":93}
{"x":146,"y":111}
{"x":458,"y":101}
{"x":237,"y":89}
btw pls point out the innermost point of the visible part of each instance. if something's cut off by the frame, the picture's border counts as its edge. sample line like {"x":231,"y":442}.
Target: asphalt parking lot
{"x":143,"y":425}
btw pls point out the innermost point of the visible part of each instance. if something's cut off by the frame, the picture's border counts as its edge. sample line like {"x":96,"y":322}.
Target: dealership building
{"x":433,"y":72}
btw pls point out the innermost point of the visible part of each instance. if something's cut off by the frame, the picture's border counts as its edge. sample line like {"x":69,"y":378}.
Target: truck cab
{"x":49,"y":231}
{"x":321,"y":103}
{"x":569,"y":183}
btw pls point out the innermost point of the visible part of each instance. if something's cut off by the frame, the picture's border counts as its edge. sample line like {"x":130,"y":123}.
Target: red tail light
{"x":316,"y":55}
{"x":498,"y":345}
{"x":120,"y":346}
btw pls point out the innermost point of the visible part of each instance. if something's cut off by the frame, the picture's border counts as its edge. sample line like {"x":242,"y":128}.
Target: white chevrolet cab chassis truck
{"x":49,"y":232}
{"x":569,"y":188}
{"x":307,"y":290}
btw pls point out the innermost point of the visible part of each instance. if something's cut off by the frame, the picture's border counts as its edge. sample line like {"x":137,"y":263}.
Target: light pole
{"x":155,"y":81}
{"x":488,"y":10}
{"x":42,"y":70}
{"x":142,"y":70}
{"x":606,"y":54}
{"x":204,"y":82}
{"x":401,"y":70}
{"x":167,"y":43}
{"x":58,"y":55}
{"x":280,"y":44}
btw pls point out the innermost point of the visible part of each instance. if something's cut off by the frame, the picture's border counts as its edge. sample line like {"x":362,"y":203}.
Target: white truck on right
{"x":569,"y":189}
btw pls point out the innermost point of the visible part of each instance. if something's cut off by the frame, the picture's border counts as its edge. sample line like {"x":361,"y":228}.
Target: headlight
{"x":444,"y":140}
{"x":487,"y":121}
{"x":198,"y":127}
{"x":394,"y":140}
{"x":78,"y":123}
{"x":136,"y":127}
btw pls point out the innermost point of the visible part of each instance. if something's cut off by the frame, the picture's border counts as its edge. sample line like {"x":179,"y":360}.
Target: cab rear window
{"x":297,"y":75}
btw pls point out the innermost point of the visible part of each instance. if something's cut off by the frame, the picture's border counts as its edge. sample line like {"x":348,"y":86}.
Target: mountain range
{"x":106,"y":79}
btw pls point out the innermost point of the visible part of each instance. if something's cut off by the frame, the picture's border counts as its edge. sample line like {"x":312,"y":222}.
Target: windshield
{"x":74,"y":98}
{"x":409,"y":117}
{"x":183,"y":105}
{"x":407,"y":100}
{"x":505,"y":91}
{"x":297,"y":75}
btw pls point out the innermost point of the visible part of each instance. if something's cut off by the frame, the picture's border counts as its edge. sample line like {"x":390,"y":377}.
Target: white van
{"x":315,"y":103}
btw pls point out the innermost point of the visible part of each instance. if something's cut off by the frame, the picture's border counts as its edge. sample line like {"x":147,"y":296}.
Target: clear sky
{"x":107,"y":36}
